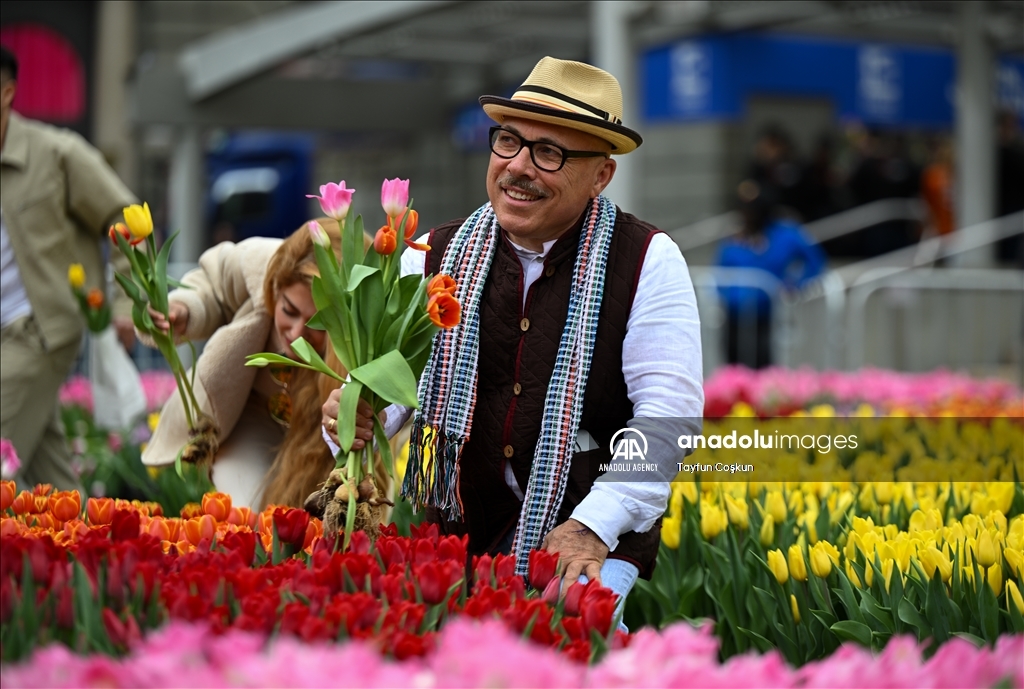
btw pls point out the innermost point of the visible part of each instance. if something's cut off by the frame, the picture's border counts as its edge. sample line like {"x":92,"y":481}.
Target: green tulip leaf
{"x":849,"y":630}
{"x":360,"y":273}
{"x":348,"y":405}
{"x":390,"y":377}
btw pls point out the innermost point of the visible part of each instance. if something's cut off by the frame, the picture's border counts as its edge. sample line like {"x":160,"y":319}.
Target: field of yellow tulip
{"x":804,"y":565}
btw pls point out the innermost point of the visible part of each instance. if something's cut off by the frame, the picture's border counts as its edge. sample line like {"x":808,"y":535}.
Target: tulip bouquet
{"x":381,"y":326}
{"x":93,"y":304}
{"x":147,"y":287}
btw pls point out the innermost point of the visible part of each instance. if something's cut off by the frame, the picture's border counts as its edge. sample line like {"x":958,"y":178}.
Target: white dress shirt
{"x":14,"y":301}
{"x":662,"y":366}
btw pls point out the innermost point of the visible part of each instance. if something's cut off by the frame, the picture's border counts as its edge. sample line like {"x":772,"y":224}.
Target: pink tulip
{"x":335,"y":199}
{"x":394,"y":196}
{"x":319,"y":235}
{"x":9,"y":462}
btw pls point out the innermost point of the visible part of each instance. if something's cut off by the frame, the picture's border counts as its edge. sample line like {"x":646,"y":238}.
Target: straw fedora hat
{"x":569,"y":94}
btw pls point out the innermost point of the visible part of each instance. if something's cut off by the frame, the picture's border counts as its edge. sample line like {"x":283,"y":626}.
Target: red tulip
{"x":385,"y":241}
{"x":597,"y":613}
{"x":543,"y":565}
{"x":444,"y":310}
{"x":291,"y":525}
{"x":122,"y":229}
{"x":572,"y":598}
{"x":453,"y":548}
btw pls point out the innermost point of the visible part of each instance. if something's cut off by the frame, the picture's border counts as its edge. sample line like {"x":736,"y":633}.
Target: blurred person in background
{"x":937,"y":187}
{"x":250,"y":297}
{"x":776,"y":169}
{"x":768,"y":243}
{"x":885,"y":172}
{"x":59,"y":197}
{"x":816,"y":196}
{"x":1010,"y":181}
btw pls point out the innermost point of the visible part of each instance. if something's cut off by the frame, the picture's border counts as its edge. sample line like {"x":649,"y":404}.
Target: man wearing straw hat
{"x":578,"y":321}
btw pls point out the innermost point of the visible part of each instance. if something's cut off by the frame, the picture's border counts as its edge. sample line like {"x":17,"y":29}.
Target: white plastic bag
{"x":117,"y":394}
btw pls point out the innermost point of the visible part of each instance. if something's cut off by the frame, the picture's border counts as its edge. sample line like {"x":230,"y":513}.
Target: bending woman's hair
{"x":304,"y":460}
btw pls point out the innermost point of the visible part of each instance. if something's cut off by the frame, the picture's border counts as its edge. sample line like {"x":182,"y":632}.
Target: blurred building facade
{"x":173,"y":91}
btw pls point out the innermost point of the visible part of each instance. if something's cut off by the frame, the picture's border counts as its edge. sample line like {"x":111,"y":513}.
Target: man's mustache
{"x":521,"y":184}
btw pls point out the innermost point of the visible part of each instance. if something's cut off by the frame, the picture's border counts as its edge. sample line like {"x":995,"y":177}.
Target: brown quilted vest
{"x":517,"y":357}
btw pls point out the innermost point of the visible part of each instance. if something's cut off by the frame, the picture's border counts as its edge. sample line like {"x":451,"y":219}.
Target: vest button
{"x":517,"y":388}
{"x":549,"y":271}
{"x":524,"y":324}
{"x":509,"y":451}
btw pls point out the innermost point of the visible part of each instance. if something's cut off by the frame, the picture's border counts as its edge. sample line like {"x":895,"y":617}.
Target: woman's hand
{"x":364,"y":420}
{"x":179,"y":318}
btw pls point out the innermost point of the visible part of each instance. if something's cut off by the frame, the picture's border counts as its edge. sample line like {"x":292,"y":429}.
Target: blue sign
{"x":711,"y":77}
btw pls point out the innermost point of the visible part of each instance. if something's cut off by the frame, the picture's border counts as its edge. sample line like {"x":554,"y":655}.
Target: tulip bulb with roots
{"x":331,"y":504}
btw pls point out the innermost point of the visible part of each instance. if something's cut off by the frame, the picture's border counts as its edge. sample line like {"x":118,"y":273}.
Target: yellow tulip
{"x":670,"y":532}
{"x":796,"y":608}
{"x":887,"y":568}
{"x":932,"y":558}
{"x":821,"y":563}
{"x":775,"y":505}
{"x":777,"y":563}
{"x":139,"y":220}
{"x":712,"y":520}
{"x":739,"y":512}
{"x":768,"y":530}
{"x":1015,"y":559}
{"x":851,"y":574}
{"x":797,"y":565}
{"x":986,"y":553}
{"x":76,"y":275}
{"x":1013,"y":593}
{"x":995,"y":579}
{"x":688,"y":489}
{"x":883,"y":491}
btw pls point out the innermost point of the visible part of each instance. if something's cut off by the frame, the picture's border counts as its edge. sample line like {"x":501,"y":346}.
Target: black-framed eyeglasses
{"x":546,"y":156}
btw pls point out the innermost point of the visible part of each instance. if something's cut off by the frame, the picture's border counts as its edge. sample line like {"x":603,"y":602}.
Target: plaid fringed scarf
{"x":447,"y":391}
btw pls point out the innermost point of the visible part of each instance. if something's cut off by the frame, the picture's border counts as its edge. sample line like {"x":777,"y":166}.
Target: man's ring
{"x":332,"y":424}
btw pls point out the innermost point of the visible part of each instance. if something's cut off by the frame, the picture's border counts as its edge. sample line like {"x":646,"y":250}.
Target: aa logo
{"x":629,"y":445}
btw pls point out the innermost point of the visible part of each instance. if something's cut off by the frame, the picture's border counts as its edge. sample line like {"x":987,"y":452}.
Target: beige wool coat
{"x":226,"y":307}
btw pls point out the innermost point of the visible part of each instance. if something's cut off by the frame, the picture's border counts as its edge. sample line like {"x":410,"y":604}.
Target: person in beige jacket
{"x":245,"y":298}
{"x":59,"y":196}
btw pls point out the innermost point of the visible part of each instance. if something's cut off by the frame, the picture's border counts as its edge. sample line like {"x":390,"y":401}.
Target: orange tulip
{"x":23,"y":503}
{"x":75,"y":529}
{"x":192,"y":509}
{"x":385,"y":241}
{"x":217,"y":505}
{"x":42,"y":489}
{"x":444,"y":310}
{"x":7,"y":492}
{"x":10,"y":526}
{"x":441,"y":283}
{"x":198,"y":528}
{"x":158,"y":527}
{"x":43,"y":520}
{"x":95,"y":298}
{"x":412,"y":223}
{"x":242,"y":516}
{"x":65,"y":505}
{"x":99,"y":510}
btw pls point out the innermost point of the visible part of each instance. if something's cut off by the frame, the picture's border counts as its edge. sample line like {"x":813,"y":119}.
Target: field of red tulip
{"x":797,"y":583}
